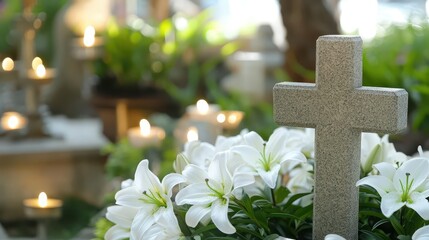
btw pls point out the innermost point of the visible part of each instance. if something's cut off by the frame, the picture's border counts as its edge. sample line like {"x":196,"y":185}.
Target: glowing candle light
{"x":232,"y":118}
{"x":221,"y":118}
{"x":42,"y":207}
{"x":192,"y":134}
{"x":202,"y":106}
{"x":36,"y":62}
{"x":41,"y":71}
{"x":146,"y":135}
{"x":7,"y":64}
{"x":89,"y":36}
{"x":145,"y":128}
{"x":12,"y":121}
{"x":42,"y":200}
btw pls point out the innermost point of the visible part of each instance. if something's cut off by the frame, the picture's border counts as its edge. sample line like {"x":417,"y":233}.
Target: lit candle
{"x":43,"y":207}
{"x":39,"y":74}
{"x":192,"y":134}
{"x":12,"y":121}
{"x":40,"y":71}
{"x":89,"y":36}
{"x":203,"y":111}
{"x":36,"y":62}
{"x":230,"y":119}
{"x":7,"y":64}
{"x":146,"y":135}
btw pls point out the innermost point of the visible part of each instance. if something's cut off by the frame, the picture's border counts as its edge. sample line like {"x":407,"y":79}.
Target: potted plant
{"x":126,"y":89}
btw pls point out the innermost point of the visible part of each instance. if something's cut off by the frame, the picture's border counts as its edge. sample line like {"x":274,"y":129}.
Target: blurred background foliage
{"x":400,"y":59}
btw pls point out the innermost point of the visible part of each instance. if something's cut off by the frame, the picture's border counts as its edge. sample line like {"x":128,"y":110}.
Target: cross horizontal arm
{"x":295,"y":104}
{"x":381,"y":110}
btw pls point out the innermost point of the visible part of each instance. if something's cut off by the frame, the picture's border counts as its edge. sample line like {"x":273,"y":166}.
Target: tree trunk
{"x":305,"y":21}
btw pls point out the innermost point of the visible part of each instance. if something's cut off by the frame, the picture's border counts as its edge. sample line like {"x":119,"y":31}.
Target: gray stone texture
{"x":339,"y":108}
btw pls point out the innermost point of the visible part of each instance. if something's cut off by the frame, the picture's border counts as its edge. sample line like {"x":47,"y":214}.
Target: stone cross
{"x":339,"y":108}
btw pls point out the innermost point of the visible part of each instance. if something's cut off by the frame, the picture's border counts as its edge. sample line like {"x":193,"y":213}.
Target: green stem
{"x":273,"y":197}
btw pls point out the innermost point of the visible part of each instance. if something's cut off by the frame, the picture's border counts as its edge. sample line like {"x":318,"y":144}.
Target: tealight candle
{"x":230,"y":119}
{"x":146,"y":135}
{"x":13,"y":121}
{"x":7,"y":64}
{"x":43,"y":207}
{"x":192,"y":134}
{"x":203,"y":111}
{"x":40,"y":74}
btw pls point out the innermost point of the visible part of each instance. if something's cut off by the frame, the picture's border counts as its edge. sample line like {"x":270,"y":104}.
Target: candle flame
{"x":13,"y":122}
{"x":144,"y":127}
{"x":202,"y":106}
{"x":221,"y":118}
{"x":232,"y":118}
{"x":89,"y":36}
{"x":8,"y":64}
{"x":41,"y":71}
{"x":192,"y":134}
{"x":43,"y":200}
{"x":36,"y":62}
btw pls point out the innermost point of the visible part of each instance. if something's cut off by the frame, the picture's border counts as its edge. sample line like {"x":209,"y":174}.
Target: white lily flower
{"x":421,"y":234}
{"x":209,"y":193}
{"x":266,"y":158}
{"x":299,"y":139}
{"x":225,"y":143}
{"x":165,"y":228}
{"x":122,"y":217}
{"x":406,"y":186}
{"x":376,"y":150}
{"x":301,"y":180}
{"x":149,"y":195}
{"x":334,"y":237}
{"x":195,"y":152}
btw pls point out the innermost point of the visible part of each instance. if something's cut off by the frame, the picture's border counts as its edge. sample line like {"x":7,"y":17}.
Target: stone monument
{"x":339,"y":108}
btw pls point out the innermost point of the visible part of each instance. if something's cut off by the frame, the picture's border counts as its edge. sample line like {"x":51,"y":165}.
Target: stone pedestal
{"x":67,"y":166}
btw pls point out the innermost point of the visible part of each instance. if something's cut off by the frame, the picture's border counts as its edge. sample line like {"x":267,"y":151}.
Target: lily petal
{"x":420,"y":205}
{"x":197,"y":193}
{"x":242,"y":179}
{"x":121,"y":215}
{"x":142,"y":222}
{"x":421,"y":233}
{"x":270,"y":177}
{"x":195,"y":174}
{"x":390,"y":203}
{"x":418,"y":170}
{"x":386,"y":169}
{"x":380,"y":183}
{"x":172,"y":180}
{"x":129,"y":197}
{"x":116,"y":233}
{"x":195,"y":214}
{"x":254,"y":140}
{"x":296,"y":156}
{"x":144,"y":178}
{"x":219,"y":216}
{"x":248,"y":154}
{"x":218,"y":171}
{"x":276,"y":142}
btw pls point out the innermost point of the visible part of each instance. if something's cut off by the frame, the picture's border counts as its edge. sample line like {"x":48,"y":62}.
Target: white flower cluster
{"x":209,"y":177}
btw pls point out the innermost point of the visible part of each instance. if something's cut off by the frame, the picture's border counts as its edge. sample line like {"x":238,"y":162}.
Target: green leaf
{"x":396,"y":225}
{"x":379,"y":223}
{"x":281,"y":193}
